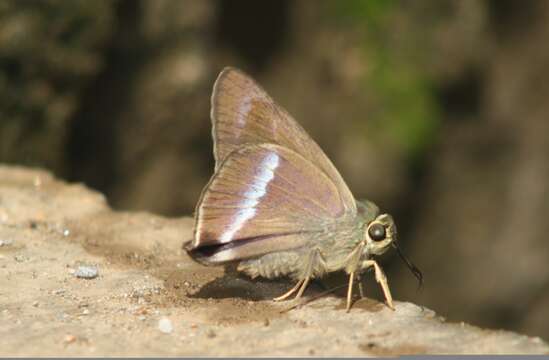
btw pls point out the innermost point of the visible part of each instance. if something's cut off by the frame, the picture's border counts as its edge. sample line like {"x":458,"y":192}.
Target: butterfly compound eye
{"x":377,"y":232}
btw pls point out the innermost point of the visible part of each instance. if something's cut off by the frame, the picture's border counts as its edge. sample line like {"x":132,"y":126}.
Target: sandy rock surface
{"x":142,"y":296}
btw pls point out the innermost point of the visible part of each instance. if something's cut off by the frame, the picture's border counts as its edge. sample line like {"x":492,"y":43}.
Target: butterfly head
{"x":380,"y":233}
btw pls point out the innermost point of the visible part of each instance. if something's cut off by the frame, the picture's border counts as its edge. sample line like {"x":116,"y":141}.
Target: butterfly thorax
{"x":347,"y":237}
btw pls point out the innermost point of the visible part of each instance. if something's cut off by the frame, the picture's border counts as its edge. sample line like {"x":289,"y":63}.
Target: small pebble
{"x":69,"y":339}
{"x":141,"y":311}
{"x":5,"y":242}
{"x":165,"y":325}
{"x":37,"y":181}
{"x":86,"y":272}
{"x":35,"y":304}
{"x":66,"y":232}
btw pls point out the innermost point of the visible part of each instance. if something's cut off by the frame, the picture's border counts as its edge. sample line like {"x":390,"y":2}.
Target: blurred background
{"x":436,"y":110}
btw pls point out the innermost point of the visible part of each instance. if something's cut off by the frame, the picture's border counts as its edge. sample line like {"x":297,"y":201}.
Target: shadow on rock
{"x":239,"y":286}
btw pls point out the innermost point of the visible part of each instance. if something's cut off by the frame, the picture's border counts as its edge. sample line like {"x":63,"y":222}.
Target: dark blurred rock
{"x":136,"y":135}
{"x":49,"y":51}
{"x":480,"y":230}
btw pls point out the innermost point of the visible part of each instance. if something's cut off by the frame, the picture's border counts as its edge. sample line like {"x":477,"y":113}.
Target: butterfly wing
{"x":243,"y":113}
{"x":262,"y":198}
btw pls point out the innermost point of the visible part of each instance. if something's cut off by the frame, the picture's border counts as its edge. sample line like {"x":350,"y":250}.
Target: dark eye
{"x":377,"y":232}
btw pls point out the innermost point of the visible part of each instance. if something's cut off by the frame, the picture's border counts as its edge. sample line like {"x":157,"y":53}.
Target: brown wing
{"x":263,"y":198}
{"x":243,"y":113}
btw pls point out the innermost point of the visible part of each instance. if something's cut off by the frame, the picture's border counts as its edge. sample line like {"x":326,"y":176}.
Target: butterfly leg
{"x":360,"y":286}
{"x":350,"y":288}
{"x":352,"y":265}
{"x":350,"y":291}
{"x":381,"y":279}
{"x":302,"y":289}
{"x":289,"y":293}
{"x":314,"y":261}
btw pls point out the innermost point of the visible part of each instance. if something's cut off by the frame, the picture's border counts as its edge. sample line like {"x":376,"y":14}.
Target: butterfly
{"x":276,"y":204}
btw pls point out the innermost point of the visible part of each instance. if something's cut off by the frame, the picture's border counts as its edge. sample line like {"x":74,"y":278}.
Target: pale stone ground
{"x":151,"y":299}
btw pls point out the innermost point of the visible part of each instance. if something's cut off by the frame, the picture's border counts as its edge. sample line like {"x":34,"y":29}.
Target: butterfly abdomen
{"x":273,"y":265}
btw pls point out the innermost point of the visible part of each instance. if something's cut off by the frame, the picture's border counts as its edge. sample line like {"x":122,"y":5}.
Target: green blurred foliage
{"x":398,"y":87}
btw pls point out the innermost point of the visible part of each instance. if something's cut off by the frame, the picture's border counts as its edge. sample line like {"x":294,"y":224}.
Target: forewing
{"x":243,"y":113}
{"x":263,"y":198}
